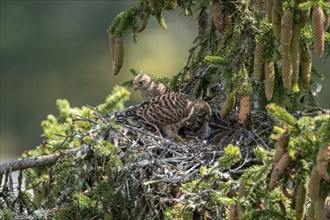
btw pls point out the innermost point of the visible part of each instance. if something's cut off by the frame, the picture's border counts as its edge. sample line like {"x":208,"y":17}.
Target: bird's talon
{"x":179,"y":139}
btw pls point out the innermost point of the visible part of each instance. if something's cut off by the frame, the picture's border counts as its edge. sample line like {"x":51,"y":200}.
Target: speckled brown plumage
{"x":169,"y":111}
{"x":149,"y":88}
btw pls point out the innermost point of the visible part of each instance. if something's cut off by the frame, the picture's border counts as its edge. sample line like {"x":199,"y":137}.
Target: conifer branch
{"x":36,"y":161}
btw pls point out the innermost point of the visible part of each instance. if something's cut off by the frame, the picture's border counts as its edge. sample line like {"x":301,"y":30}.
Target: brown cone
{"x":306,"y":66}
{"x":286,"y":31}
{"x":327,"y":18}
{"x":117,"y":52}
{"x":258,"y":63}
{"x":269,"y":79}
{"x":218,"y":16}
{"x":276,"y":24}
{"x":286,"y":72}
{"x":244,"y":111}
{"x":227,"y":105}
{"x":318,"y":29}
{"x":295,"y":52}
{"x":277,"y":6}
{"x":268,"y":8}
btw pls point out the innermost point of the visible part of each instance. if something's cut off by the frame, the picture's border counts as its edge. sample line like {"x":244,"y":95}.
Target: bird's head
{"x":202,"y":109}
{"x":141,"y":81}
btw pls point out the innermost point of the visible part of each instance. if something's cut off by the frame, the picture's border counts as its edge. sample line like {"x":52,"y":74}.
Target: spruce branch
{"x":35,"y":161}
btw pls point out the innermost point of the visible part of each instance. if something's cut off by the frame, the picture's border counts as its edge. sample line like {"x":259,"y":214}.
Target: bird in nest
{"x":168,"y":112}
{"x":150,"y":89}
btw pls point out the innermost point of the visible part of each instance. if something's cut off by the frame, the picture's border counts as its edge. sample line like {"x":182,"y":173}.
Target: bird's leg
{"x":171,"y":131}
{"x":178,"y":138}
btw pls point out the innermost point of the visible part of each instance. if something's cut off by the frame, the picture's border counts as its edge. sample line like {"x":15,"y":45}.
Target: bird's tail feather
{"x":130,"y":112}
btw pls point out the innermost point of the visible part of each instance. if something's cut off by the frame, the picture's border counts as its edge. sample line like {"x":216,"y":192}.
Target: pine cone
{"x":318,"y":29}
{"x":327,"y":208}
{"x":227,"y":21}
{"x":258,"y":65}
{"x":286,"y":72}
{"x":319,"y":209}
{"x":295,"y":52}
{"x":327,"y":22}
{"x":327,"y":18}
{"x":286,"y":31}
{"x":260,"y":4}
{"x":314,"y":185}
{"x":279,"y":168}
{"x":323,"y":158}
{"x":305,"y":15}
{"x":117,"y":52}
{"x":269,"y":79}
{"x":218,"y":16}
{"x":269,"y":7}
{"x":277,"y":6}
{"x":276,"y":24}
{"x":306,"y":66}
{"x":227,"y":105}
{"x":280,"y":148}
{"x":233,"y":212}
{"x":244,"y":111}
{"x":301,"y":200}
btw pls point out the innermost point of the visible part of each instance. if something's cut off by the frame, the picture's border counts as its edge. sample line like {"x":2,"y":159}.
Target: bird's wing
{"x":166,"y":109}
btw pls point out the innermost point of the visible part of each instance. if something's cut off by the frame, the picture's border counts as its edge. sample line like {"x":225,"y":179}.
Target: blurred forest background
{"x":59,"y":49}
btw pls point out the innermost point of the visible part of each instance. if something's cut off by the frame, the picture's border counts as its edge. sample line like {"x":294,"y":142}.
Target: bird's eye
{"x":141,"y":83}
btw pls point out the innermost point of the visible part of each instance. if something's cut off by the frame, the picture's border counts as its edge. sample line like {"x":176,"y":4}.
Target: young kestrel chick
{"x":149,"y":88}
{"x":169,"y":112}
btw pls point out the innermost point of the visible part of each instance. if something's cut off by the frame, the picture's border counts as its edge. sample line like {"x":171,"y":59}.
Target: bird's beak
{"x":135,"y":88}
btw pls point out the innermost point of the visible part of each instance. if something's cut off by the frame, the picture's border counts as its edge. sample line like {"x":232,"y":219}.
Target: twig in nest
{"x":91,"y":122}
{"x":65,"y":140}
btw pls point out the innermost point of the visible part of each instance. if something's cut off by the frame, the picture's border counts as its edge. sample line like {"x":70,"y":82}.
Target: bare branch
{"x":30,"y":162}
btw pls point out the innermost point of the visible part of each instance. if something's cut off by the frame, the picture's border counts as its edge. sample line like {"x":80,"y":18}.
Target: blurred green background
{"x":59,"y":49}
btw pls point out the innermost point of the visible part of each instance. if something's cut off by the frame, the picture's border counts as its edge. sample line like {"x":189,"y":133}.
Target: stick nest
{"x":159,"y":166}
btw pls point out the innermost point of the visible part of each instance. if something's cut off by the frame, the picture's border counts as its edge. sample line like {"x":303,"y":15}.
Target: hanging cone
{"x":227,"y":106}
{"x":318,"y":30}
{"x":258,"y":63}
{"x":286,"y":31}
{"x":244,"y":111}
{"x":277,"y":6}
{"x":287,"y":72}
{"x":276,"y":24}
{"x":218,"y":16}
{"x":117,"y":52}
{"x":306,"y":66}
{"x":269,"y":79}
{"x":295,"y":52}
{"x":268,"y":8}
